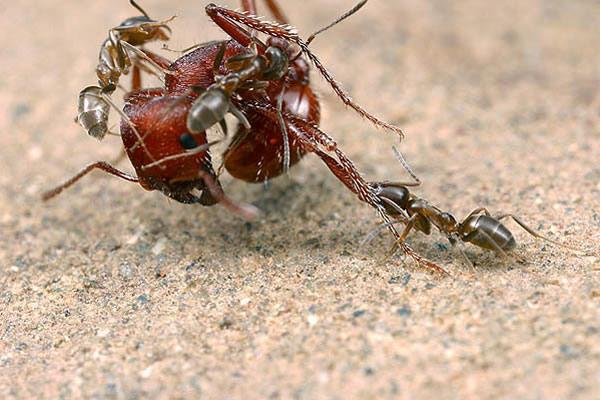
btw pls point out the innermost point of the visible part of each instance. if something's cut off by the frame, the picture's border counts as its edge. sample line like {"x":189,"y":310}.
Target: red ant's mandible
{"x":264,"y":84}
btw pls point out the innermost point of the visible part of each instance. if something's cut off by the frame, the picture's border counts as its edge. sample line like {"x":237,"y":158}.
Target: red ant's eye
{"x":187,"y":141}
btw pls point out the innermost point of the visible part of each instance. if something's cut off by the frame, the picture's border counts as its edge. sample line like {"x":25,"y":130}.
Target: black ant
{"x":479,"y":228}
{"x":248,"y":71}
{"x":113,"y":61}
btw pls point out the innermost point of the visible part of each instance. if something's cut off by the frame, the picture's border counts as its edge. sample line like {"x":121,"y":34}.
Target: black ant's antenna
{"x":139,"y":8}
{"x":407,"y":167}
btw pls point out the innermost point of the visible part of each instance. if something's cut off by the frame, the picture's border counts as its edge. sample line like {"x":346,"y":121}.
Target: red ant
{"x":266,"y":86}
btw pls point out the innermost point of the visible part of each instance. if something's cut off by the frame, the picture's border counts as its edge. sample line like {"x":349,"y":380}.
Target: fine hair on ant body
{"x":479,"y":228}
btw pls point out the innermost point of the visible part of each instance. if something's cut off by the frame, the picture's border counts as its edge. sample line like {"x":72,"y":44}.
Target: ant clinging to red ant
{"x":114,"y":60}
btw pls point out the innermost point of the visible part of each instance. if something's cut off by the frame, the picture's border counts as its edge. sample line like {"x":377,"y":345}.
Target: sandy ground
{"x":112,"y":292}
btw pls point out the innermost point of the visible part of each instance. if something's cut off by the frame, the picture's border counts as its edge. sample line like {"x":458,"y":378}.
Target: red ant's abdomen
{"x":257,"y":156}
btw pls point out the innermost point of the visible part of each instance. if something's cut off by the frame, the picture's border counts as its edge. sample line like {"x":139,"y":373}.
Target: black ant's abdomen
{"x":396,"y":194}
{"x":488,"y":233}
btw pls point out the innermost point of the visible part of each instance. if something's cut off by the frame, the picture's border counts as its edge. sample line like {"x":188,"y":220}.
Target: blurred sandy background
{"x":112,"y":292}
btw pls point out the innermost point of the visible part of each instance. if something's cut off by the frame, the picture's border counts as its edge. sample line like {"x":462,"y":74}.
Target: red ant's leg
{"x":136,"y":78}
{"x":249,"y":6}
{"x":228,"y":20}
{"x":102,"y":165}
{"x":276,"y":11}
{"x":158,"y":59}
{"x":343,"y":168}
{"x":236,"y":32}
{"x":246,"y":211}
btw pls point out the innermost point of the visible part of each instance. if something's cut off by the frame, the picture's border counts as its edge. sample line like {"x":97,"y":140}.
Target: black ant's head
{"x":142,"y":29}
{"x":278,"y":64}
{"x":282,"y":44}
{"x":448,"y":221}
{"x":138,"y":20}
{"x":153,"y":30}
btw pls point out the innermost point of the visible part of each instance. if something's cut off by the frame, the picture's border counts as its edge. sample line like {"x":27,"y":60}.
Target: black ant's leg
{"x":155,"y":61}
{"x":409,"y":225}
{"x":479,"y":211}
{"x":140,"y":139}
{"x":188,"y":153}
{"x":219,"y":58}
{"x":534,"y":233}
{"x":192,"y":47}
{"x":239,"y":116}
{"x":373,"y":234}
{"x":458,"y":246}
{"x":159,"y":60}
{"x":137,"y":66}
{"x":136,"y":82}
{"x":101,"y":165}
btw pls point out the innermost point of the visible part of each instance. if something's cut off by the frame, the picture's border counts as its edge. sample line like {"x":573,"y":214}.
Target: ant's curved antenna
{"x":139,"y":8}
{"x":407,"y":167}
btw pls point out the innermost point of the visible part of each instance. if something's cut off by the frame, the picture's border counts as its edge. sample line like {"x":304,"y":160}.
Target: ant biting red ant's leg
{"x":478,"y":228}
{"x":114,"y":61}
